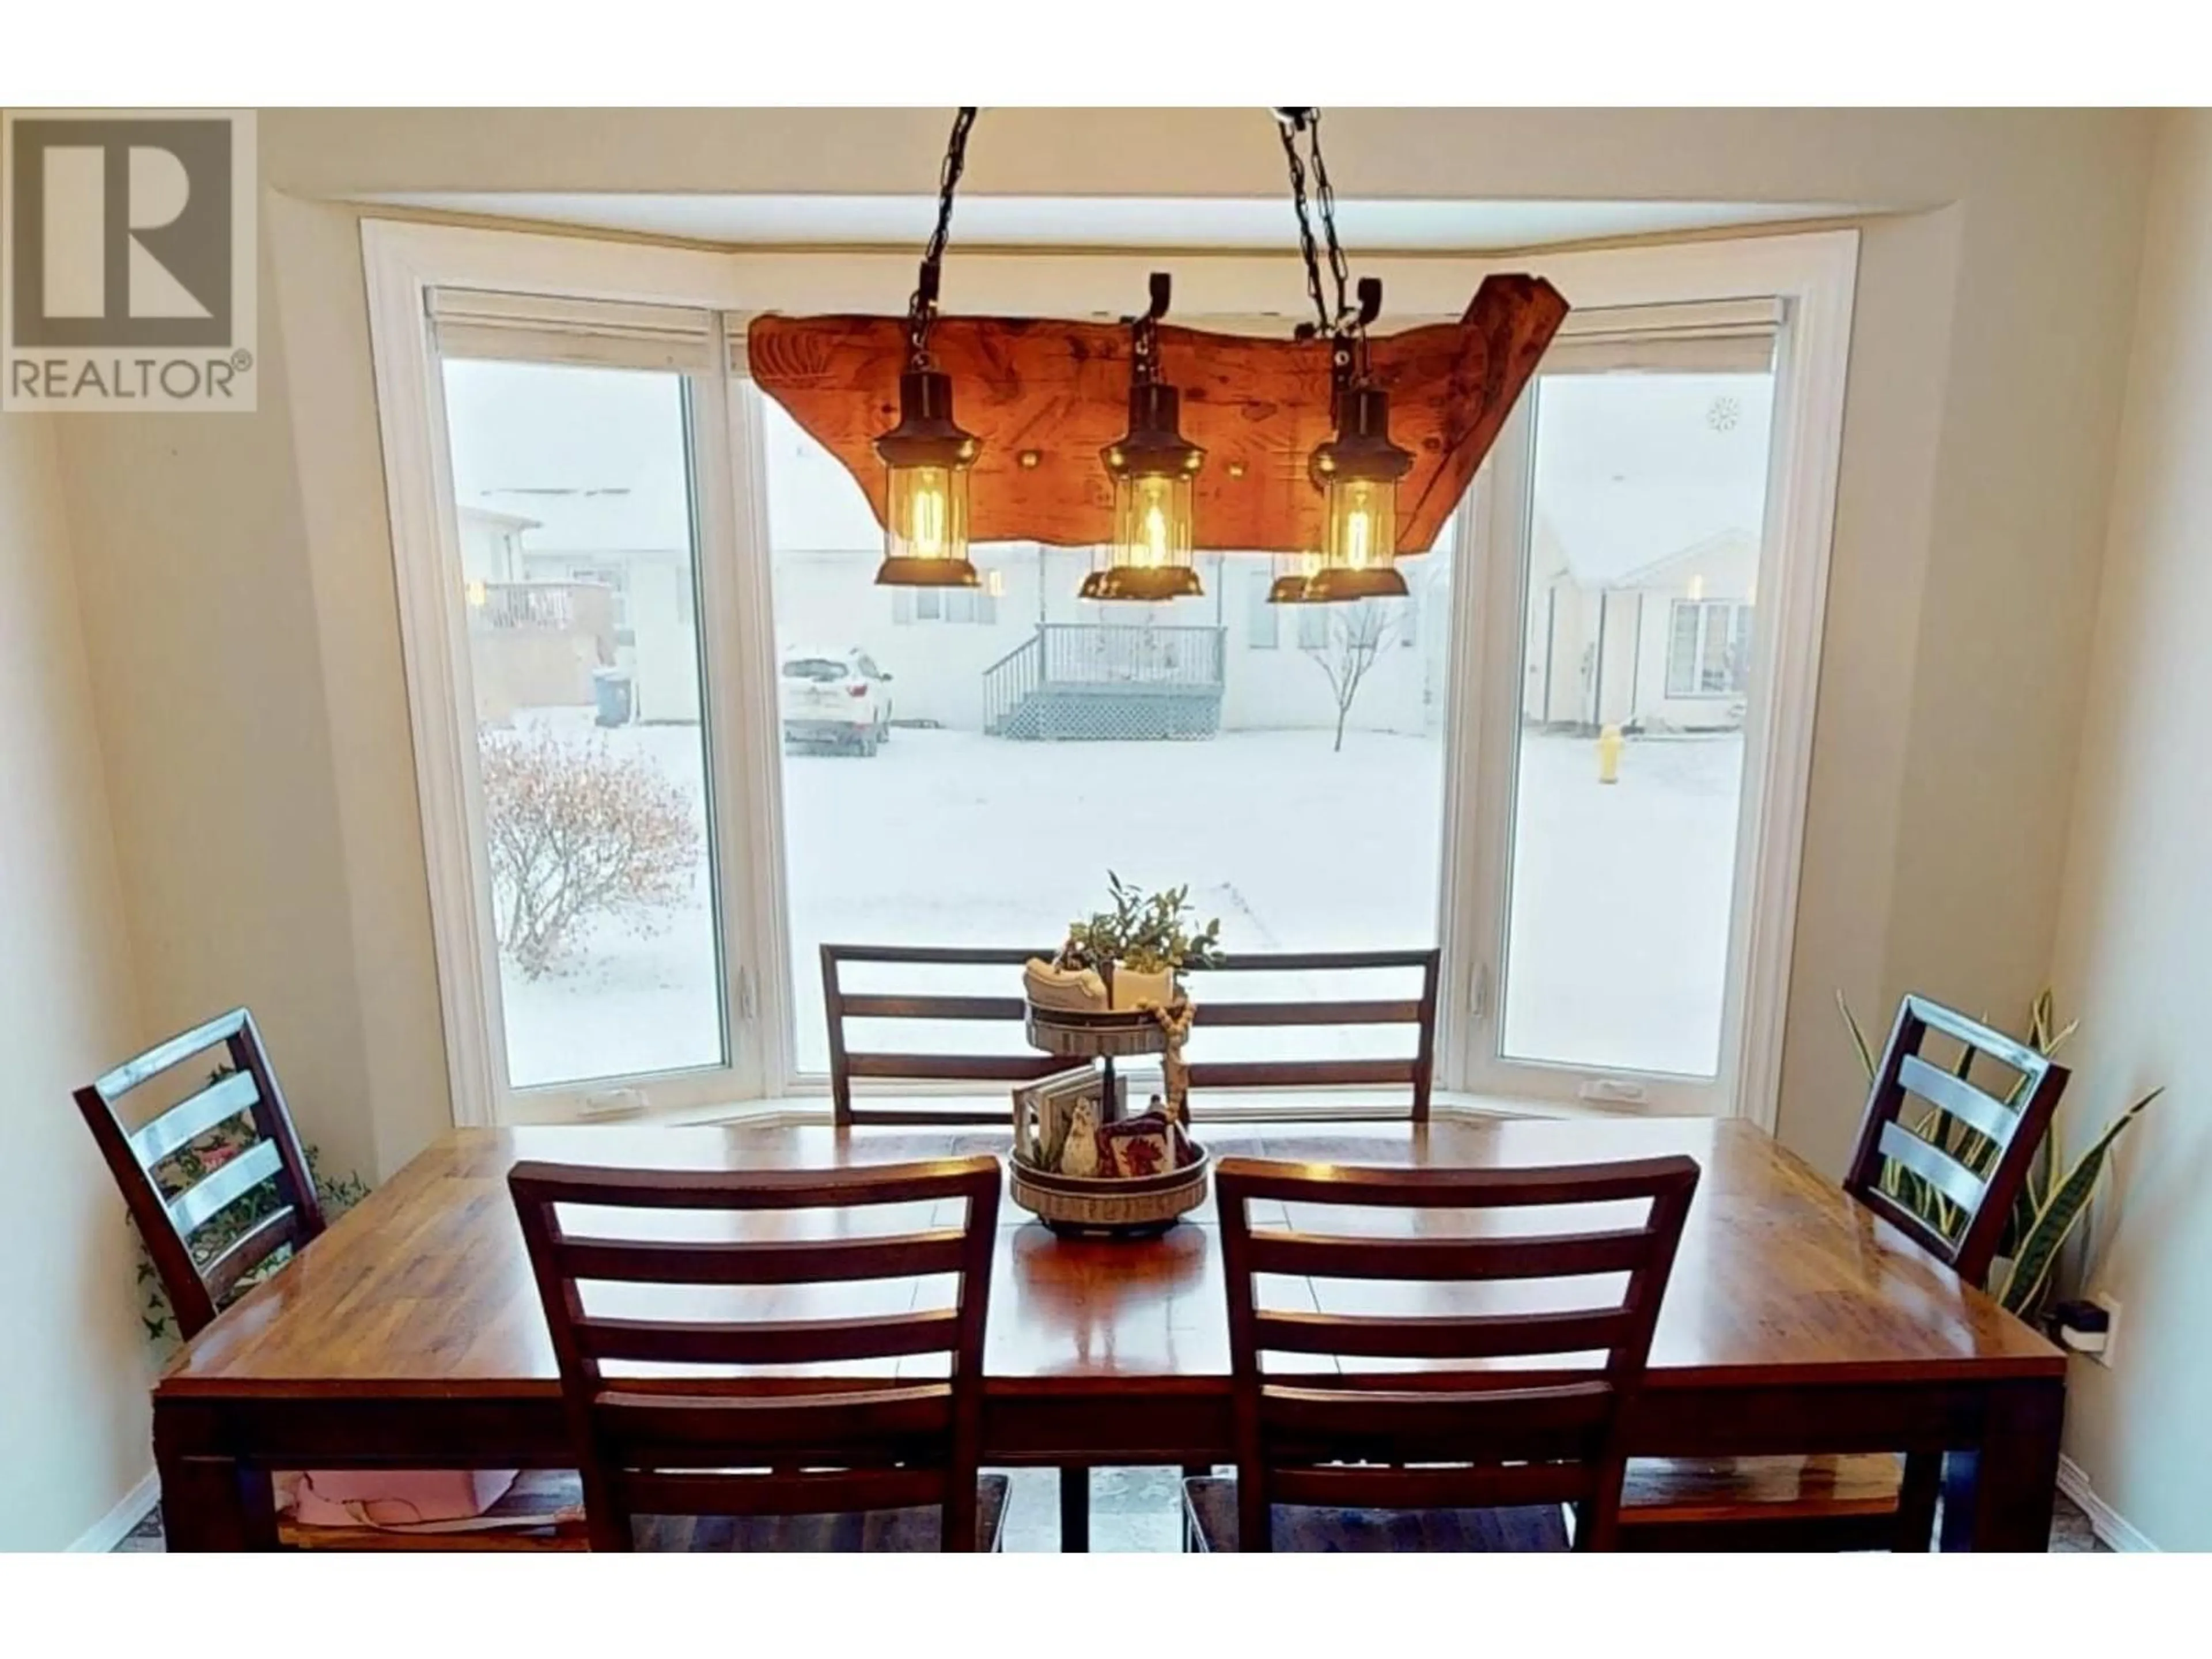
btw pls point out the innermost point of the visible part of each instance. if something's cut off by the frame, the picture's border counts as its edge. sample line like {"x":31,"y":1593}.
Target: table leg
{"x":1999,"y":1495}
{"x":1074,"y":1509}
{"x":208,"y":1501}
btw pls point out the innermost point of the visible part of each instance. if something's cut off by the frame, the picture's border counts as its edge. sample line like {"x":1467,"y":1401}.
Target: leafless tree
{"x":1355,"y":639}
{"x":577,"y":832}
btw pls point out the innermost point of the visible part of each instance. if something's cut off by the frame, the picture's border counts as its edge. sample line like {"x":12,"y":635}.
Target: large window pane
{"x":574,"y":492}
{"x":964,"y":768}
{"x":1642,"y":563}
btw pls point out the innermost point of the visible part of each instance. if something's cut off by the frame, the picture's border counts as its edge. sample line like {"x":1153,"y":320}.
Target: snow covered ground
{"x":1619,"y":924}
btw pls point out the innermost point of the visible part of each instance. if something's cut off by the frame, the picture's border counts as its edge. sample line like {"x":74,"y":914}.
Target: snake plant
{"x":2048,"y":1206}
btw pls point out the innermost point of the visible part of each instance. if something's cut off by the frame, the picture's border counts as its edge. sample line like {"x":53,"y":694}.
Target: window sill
{"x":1279,"y":1106}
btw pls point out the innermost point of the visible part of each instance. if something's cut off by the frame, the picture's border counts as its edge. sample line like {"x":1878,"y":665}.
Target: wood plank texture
{"x":1257,"y":406}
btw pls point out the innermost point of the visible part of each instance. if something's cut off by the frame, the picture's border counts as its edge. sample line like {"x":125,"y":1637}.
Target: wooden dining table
{"x":410,"y":1335}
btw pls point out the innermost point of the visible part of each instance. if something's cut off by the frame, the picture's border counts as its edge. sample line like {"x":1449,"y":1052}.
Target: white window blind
{"x":592,"y":333}
{"x":1712,"y":338}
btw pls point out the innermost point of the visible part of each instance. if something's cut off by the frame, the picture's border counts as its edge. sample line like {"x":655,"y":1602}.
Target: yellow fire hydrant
{"x":1608,"y":755}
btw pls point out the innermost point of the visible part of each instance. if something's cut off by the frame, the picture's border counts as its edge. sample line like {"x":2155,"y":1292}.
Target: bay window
{"x":672,"y":738}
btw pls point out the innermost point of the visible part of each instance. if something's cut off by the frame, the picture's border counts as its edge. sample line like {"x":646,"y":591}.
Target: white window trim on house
{"x":558,"y":298}
{"x":1712,"y":621}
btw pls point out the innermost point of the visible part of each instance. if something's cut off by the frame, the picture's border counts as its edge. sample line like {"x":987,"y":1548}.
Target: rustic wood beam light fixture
{"x":1271,"y":444}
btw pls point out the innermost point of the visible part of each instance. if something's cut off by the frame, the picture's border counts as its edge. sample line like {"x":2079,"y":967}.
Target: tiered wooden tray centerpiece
{"x":1082,"y":1164}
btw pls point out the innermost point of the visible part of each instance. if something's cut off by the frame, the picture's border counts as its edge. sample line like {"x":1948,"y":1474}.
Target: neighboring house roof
{"x":1667,"y":571}
{"x":492,"y":520}
{"x":589,"y":520}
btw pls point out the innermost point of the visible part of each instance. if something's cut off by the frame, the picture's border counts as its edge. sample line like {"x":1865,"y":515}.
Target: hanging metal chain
{"x":1325,"y":200}
{"x":921,"y":310}
{"x":1345,"y":326}
{"x":1291,"y":123}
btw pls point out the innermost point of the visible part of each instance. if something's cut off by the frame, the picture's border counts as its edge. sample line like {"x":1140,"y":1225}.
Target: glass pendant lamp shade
{"x":927,"y":458}
{"x":1358,"y":471}
{"x":1150,"y":557}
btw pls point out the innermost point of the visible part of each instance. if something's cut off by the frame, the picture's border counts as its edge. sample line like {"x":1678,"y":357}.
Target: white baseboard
{"x":112,"y":1527}
{"x":2108,"y":1522}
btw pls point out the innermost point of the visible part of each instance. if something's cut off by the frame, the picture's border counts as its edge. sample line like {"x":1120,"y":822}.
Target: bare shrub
{"x":577,"y":833}
{"x":1357,"y":636}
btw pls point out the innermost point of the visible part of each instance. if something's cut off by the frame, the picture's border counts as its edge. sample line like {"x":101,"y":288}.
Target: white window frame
{"x":1810,"y":273}
{"x":1809,"y":278}
{"x":1724,"y":617}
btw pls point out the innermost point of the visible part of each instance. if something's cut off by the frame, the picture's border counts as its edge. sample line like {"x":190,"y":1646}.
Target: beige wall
{"x":2134,"y":947}
{"x":1982,"y":401}
{"x":208,"y":670}
{"x":73,"y":1419}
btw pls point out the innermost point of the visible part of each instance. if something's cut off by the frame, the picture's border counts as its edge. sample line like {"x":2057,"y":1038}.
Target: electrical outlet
{"x":2110,"y":1304}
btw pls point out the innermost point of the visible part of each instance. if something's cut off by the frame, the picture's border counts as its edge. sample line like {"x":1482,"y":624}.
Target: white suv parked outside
{"x":833,"y":699}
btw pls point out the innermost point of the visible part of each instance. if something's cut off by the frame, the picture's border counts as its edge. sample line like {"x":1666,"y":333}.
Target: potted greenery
{"x":1139,"y":947}
{"x":1127,"y":959}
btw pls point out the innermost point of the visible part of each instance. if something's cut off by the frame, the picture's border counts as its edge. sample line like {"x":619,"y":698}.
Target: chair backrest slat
{"x":1465,"y":1430}
{"x":1381,"y":1423}
{"x":1403,"y":1011}
{"x":249,"y":1250}
{"x":143,"y":1068}
{"x":769,"y":1342}
{"x":1972,"y":1148}
{"x":193,"y":1209}
{"x":1960,"y":1098}
{"x":1431,"y":1336}
{"x":735,"y":1442}
{"x":188,"y":1119}
{"x":1556,"y":1255}
{"x":952,"y":1068}
{"x":1217,"y":1009}
{"x":667,"y":1430}
{"x":1474,"y":1486}
{"x":1933,"y":1165}
{"x":804,"y":1492}
{"x":196,"y":1282}
{"x":662,"y":1262}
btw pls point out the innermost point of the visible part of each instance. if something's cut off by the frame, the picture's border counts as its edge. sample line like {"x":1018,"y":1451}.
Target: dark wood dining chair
{"x":852,"y":1058}
{"x":210,"y":1227}
{"x":171,"y":1208}
{"x":1924,"y":1122}
{"x":1007,"y":1064}
{"x":725,"y":1456}
{"x":1458,"y":1451}
{"x":1412,"y":1011}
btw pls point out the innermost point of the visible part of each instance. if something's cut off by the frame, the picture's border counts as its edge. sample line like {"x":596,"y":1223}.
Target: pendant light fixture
{"x":1152,"y":466}
{"x":927,"y":456}
{"x":1358,"y":470}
